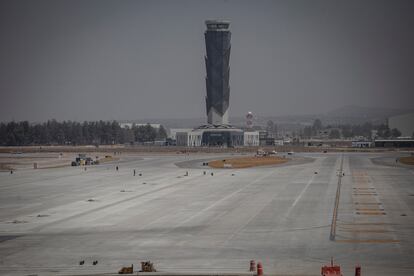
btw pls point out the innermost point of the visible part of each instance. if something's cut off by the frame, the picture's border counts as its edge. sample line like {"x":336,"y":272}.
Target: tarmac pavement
{"x":50,"y":219}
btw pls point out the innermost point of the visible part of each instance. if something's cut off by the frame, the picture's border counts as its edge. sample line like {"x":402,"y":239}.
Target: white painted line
{"x":218,"y":202}
{"x":303,"y":191}
{"x":299,"y":196}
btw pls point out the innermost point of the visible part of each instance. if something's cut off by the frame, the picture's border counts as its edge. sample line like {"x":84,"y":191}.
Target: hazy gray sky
{"x":89,"y":60}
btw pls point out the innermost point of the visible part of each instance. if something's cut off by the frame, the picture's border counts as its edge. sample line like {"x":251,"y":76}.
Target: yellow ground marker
{"x":371,"y":213}
{"x":366,"y":230}
{"x":366,"y":223}
{"x":368,"y":241}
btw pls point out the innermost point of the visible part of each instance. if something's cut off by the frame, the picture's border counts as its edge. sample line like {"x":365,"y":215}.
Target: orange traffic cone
{"x":358,"y":270}
{"x":259,"y":269}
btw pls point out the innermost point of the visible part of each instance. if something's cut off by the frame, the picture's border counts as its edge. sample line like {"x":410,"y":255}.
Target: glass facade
{"x":222,"y":138}
{"x":217,"y":37}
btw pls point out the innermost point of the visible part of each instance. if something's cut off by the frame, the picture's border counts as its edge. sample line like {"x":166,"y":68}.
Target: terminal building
{"x":251,"y":139}
{"x":394,"y":143}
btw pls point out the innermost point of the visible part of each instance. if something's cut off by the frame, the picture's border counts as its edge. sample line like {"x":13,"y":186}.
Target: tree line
{"x":53,"y":132}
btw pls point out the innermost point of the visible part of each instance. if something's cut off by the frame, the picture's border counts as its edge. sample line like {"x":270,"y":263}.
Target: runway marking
{"x":367,"y":231}
{"x":366,"y":223}
{"x":299,"y":196}
{"x":336,"y":206}
{"x":218,"y":202}
{"x":248,"y":221}
{"x":368,"y":241}
{"x":303,"y":191}
{"x":287,"y":229}
{"x":371,"y":213}
{"x":109,"y":205}
{"x":368,"y":203}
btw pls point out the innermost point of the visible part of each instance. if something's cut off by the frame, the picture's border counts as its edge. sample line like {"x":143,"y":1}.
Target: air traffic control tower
{"x":217,"y":60}
{"x":217,"y":131}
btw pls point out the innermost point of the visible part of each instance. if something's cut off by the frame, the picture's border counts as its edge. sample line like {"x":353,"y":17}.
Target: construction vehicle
{"x":261,"y":153}
{"x":82,"y":160}
{"x":126,"y":270}
{"x":147,"y":267}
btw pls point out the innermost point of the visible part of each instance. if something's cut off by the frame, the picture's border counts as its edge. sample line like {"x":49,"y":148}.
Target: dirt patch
{"x":408,"y":160}
{"x":5,"y":166}
{"x":247,"y":162}
{"x":108,"y":158}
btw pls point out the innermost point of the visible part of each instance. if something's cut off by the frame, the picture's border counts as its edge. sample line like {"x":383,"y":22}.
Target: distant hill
{"x":357,"y":114}
{"x":344,"y":115}
{"x":365,"y":112}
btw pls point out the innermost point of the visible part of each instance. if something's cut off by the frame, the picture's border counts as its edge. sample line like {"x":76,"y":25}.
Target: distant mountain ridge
{"x":349,"y":114}
{"x":366,"y":112}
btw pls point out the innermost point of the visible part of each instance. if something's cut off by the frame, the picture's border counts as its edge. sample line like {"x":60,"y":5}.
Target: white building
{"x":189,"y":138}
{"x":251,"y":138}
{"x":174,"y":131}
{"x":278,"y":142}
{"x":362,"y":144}
{"x":181,"y":139}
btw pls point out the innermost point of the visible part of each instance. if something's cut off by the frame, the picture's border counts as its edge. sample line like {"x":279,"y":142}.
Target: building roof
{"x":212,"y":126}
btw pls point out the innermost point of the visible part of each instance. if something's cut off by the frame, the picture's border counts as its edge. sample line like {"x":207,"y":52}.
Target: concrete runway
{"x":50,"y":219}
